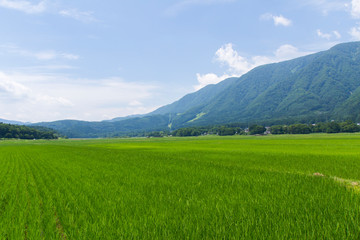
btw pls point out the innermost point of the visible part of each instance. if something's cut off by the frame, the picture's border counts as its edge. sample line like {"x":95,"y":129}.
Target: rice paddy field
{"x":243,"y":187}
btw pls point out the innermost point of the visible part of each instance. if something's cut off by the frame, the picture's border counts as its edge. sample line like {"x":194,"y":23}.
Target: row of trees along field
{"x":234,"y":129}
{"x":225,"y":130}
{"x":216,"y":130}
{"x":329,"y":127}
{"x":24,"y":132}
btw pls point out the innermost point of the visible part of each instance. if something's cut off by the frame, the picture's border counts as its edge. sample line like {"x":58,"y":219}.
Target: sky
{"x":97,"y":60}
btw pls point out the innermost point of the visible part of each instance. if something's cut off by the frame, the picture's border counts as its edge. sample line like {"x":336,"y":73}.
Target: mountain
{"x":196,"y":99}
{"x":84,"y":129}
{"x":318,"y":87}
{"x":124,"y":118}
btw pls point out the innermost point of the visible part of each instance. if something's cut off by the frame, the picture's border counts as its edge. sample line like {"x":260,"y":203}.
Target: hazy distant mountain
{"x":317,"y":87}
{"x":124,"y":118}
{"x":12,"y":122}
{"x":84,"y":129}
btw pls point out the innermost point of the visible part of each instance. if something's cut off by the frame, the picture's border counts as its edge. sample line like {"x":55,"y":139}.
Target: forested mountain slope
{"x":320,"y":86}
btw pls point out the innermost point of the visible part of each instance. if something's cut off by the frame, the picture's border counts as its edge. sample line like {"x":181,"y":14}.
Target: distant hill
{"x":84,"y":129}
{"x":318,"y":87}
{"x":124,"y":118}
{"x":12,"y":131}
{"x":13,"y":122}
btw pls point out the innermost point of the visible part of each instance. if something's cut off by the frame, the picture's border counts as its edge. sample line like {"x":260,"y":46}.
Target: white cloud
{"x":85,"y":17}
{"x":45,"y":5}
{"x":323,"y":35}
{"x":355,"y":33}
{"x":50,"y":55}
{"x":24,"y":6}
{"x":134,"y":103}
{"x":337,"y":34}
{"x":209,"y":78}
{"x":45,"y":55}
{"x":13,"y":90}
{"x":40,"y":55}
{"x":44,"y":68}
{"x":51,"y":101}
{"x":69,"y":56}
{"x":326,"y":6}
{"x":35,"y":97}
{"x":286,"y":52}
{"x":238,"y":65}
{"x":328,"y":36}
{"x":278,"y":20}
{"x":176,"y":8}
{"x":355,"y":8}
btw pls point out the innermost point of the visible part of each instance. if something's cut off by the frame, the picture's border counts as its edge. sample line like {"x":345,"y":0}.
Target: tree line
{"x":23,"y":132}
{"x":234,"y":129}
{"x":324,"y":127}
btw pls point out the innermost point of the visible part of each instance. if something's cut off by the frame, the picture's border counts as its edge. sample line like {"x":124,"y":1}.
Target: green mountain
{"x":84,"y":129}
{"x":196,"y":99}
{"x":318,"y":87}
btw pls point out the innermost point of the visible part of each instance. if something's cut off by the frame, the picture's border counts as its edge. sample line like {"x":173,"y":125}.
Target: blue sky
{"x":96,"y":60}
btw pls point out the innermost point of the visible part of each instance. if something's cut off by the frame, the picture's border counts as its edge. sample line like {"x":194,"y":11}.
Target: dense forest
{"x":235,"y":129}
{"x":24,"y":132}
{"x":330,"y":127}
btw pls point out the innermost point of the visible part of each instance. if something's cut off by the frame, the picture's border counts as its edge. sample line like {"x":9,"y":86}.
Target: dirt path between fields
{"x":348,"y":183}
{"x":59,"y":227}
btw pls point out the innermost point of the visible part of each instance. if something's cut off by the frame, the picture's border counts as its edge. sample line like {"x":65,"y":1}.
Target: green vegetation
{"x":224,"y":130}
{"x":201,"y":97}
{"x":129,"y":127}
{"x":256,"y":129}
{"x":198,"y":116}
{"x":314,"y":88}
{"x":242,"y":187}
{"x":23,"y":132}
{"x":237,"y":129}
{"x":330,"y":127}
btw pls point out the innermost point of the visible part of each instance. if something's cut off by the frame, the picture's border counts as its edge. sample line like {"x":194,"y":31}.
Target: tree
{"x":24,"y":132}
{"x":333,"y":127}
{"x":349,"y":126}
{"x":256,"y":129}
{"x":299,"y":129}
{"x":225,"y":131}
{"x":155,"y":134}
{"x":277,"y":129}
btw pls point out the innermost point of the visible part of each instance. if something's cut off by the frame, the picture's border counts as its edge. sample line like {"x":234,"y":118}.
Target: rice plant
{"x":273,"y":187}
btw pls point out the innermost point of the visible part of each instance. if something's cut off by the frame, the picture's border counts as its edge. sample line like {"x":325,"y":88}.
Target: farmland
{"x":250,"y":187}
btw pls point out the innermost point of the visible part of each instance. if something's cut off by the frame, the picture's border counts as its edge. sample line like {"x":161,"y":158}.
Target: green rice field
{"x":239,"y":187}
